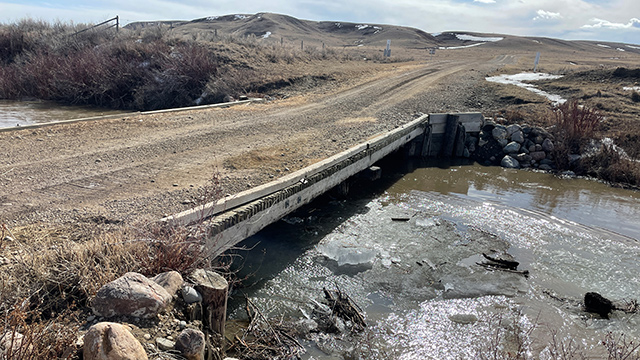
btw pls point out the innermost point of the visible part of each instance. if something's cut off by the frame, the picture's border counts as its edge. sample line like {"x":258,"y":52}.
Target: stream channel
{"x":418,"y":282}
{"x":20,"y":113}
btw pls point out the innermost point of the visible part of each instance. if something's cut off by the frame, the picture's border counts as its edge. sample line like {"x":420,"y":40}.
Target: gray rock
{"x":512,"y":147}
{"x":532,"y":148}
{"x":482,"y":142}
{"x":165,"y":344}
{"x":538,"y":155}
{"x":109,"y":341}
{"x":170,"y":281}
{"x":503,"y":142}
{"x":538,"y":147}
{"x":523,"y":158}
{"x":463,"y":318}
{"x":545,"y":167}
{"x":499,"y":133}
{"x":131,"y":295}
{"x":509,"y":162}
{"x":547,"y":145}
{"x":546,"y":162}
{"x":538,"y":139}
{"x":512,"y":129}
{"x":191,"y":344}
{"x":190,"y":295}
{"x":517,"y":137}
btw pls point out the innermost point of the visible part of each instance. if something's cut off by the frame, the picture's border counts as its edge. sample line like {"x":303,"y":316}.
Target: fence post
{"x":117,"y":23}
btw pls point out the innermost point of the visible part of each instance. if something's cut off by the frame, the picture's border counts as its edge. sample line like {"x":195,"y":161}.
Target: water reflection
{"x":583,"y":201}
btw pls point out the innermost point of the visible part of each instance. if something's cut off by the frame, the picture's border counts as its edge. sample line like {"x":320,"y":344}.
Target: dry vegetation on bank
{"x":142,"y":70}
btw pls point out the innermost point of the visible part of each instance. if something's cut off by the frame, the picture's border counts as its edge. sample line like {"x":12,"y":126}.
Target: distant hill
{"x":274,"y":28}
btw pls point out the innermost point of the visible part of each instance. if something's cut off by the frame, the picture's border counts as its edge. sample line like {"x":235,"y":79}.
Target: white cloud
{"x":605,"y":24}
{"x":547,"y":15}
{"x":485,"y":1}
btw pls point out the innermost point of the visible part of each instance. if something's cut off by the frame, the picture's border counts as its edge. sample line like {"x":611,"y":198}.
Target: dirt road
{"x":154,"y":165}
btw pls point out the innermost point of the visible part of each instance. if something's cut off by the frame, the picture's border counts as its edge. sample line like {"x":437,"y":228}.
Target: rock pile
{"x":514,"y":146}
{"x":134,"y":298}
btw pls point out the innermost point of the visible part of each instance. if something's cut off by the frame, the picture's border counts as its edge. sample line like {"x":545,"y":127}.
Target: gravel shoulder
{"x":148,"y":166}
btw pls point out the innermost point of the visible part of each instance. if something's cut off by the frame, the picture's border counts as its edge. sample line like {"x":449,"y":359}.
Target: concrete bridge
{"x":232,"y":219}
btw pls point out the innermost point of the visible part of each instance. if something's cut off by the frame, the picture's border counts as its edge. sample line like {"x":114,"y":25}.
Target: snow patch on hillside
{"x":519,"y":80}
{"x":466,"y":37}
{"x":459,"y":47}
{"x":266,"y":35}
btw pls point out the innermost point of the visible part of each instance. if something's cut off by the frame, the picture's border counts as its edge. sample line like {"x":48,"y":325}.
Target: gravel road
{"x":148,"y":166}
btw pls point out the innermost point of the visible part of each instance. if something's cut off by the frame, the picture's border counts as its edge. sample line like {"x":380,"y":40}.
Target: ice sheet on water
{"x":426,"y":222}
{"x":345,"y":252}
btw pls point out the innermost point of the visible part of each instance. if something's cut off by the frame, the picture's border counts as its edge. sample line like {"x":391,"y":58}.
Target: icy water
{"x":13,"y":113}
{"x":418,"y":282}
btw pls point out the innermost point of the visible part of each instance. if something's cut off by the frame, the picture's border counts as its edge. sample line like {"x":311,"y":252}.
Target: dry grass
{"x":25,"y":339}
{"x":42,"y":60}
{"x":611,"y":166}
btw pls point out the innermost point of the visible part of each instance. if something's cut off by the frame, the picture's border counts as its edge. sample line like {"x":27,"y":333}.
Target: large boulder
{"x":509,"y":162}
{"x":512,"y":129}
{"x":170,"y":281}
{"x":111,"y":341}
{"x":131,"y":295}
{"x":512,"y":147}
{"x":538,"y":155}
{"x":191,"y":344}
{"x":547,"y":145}
{"x":499,"y":132}
{"x":518,"y":137}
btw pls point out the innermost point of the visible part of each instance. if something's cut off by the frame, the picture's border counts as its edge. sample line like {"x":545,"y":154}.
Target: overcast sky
{"x":616,"y":20}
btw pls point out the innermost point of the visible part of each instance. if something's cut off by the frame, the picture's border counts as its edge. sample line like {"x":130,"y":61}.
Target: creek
{"x":13,"y":113}
{"x":418,"y":282}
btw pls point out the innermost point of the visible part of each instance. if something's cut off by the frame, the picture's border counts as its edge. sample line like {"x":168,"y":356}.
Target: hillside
{"x":276,"y":28}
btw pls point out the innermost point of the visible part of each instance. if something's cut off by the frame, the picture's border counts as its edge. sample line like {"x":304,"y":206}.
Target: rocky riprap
{"x":513,"y":146}
{"x":122,"y":307}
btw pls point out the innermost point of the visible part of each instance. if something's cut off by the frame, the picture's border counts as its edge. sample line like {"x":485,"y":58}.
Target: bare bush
{"x":23,"y":337}
{"x":609,"y":165}
{"x":619,"y":348}
{"x":575,"y":123}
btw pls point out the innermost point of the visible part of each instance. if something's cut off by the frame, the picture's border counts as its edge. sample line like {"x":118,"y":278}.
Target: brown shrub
{"x":573,"y":126}
{"x":575,"y":123}
{"x":610,"y":165}
{"x":27,"y":338}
